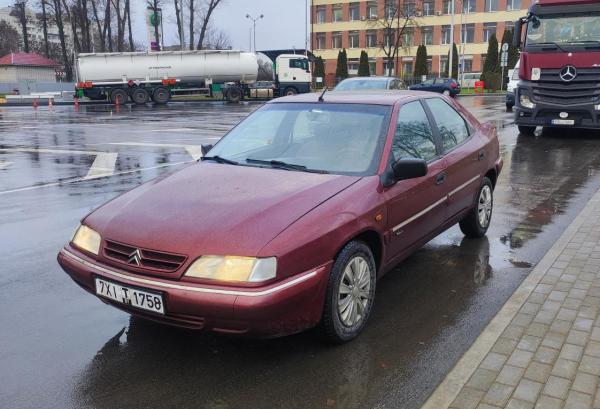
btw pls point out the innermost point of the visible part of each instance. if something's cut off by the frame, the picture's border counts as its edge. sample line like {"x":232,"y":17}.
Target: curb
{"x":443,"y":396}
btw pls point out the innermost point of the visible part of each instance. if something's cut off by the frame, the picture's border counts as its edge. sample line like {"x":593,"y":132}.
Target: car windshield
{"x":334,"y":138}
{"x":361,"y":84}
{"x":564,"y":29}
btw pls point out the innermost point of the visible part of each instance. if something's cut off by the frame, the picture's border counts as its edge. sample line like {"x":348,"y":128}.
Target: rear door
{"x":463,"y":152}
{"x":416,"y":207}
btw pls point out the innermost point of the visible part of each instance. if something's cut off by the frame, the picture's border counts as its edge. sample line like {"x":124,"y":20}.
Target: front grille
{"x":583,"y":90}
{"x":148,"y":259}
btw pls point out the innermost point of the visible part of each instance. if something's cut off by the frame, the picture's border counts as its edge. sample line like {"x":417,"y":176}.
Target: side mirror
{"x":205,"y":149}
{"x":409,"y":169}
{"x":518,"y":33}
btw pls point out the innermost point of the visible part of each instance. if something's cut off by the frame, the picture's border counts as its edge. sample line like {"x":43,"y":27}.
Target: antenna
{"x":321,"y":96}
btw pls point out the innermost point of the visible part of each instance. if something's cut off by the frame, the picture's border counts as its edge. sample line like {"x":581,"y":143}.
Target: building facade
{"x":361,"y":25}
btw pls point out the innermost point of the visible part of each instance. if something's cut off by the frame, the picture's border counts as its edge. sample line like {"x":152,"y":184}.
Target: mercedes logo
{"x":135,"y":257}
{"x":568,"y":73}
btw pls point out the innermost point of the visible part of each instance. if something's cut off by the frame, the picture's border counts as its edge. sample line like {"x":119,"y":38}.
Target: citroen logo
{"x":135,"y":257}
{"x":568,"y":73}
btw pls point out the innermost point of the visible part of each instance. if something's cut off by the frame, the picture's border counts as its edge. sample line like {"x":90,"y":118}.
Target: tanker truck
{"x":143,"y":76}
{"x":560,"y":65}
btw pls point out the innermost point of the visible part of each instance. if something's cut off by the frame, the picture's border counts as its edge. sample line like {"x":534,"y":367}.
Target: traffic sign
{"x":505,"y":47}
{"x":504,"y":59}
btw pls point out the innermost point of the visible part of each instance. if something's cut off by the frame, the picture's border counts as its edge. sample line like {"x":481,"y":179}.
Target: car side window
{"x":452,"y":127}
{"x":413,"y":137}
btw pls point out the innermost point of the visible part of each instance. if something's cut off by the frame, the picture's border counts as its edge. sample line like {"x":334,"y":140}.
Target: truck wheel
{"x":234,"y":95}
{"x":161,"y":95}
{"x":477,"y":221}
{"x":289,"y":91}
{"x":526,"y":130}
{"x":119,"y":96}
{"x":140,"y":96}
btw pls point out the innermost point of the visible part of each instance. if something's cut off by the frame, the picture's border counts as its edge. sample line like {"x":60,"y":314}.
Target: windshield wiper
{"x":219,"y":159}
{"x":594,"y":43}
{"x":550,"y":43}
{"x":284,"y":165}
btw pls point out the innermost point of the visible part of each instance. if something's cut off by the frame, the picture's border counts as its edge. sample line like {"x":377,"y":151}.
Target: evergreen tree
{"x":421,"y":62}
{"x":491,"y":68}
{"x":364,"y":70}
{"x":513,"y":52}
{"x":319,"y":68}
{"x":341,"y":72}
{"x":454,"y":73}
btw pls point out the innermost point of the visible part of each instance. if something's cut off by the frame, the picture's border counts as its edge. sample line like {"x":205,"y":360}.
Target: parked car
{"x":290,"y":219}
{"x":370,"y":83}
{"x":446,"y":86}
{"x":469,"y":79}
{"x":513,"y":76}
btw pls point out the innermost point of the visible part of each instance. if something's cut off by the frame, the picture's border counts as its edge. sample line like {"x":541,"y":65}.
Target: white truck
{"x":144,"y":76}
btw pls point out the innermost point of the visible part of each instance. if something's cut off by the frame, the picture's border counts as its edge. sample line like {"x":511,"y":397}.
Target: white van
{"x":469,"y":79}
{"x":513,"y":81}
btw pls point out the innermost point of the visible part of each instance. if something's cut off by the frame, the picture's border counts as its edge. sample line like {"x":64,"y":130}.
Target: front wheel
{"x":446,"y":92}
{"x":289,"y":91}
{"x":526,"y":130}
{"x":477,"y":221}
{"x":350,"y":293}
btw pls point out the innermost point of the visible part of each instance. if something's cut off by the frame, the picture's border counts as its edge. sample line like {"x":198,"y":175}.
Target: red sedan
{"x":289,"y":220}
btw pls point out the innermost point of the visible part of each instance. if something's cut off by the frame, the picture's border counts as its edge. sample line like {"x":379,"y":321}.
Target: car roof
{"x":373,"y":97}
{"x":368,"y":79}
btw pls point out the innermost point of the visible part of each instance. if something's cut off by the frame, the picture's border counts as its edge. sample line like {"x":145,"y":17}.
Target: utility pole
{"x":254,"y":20}
{"x":451,"y":53}
{"x":181,"y":34}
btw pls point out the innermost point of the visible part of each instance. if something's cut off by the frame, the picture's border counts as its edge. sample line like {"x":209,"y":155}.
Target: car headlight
{"x":525,"y":101}
{"x":233,"y":268}
{"x":87,"y":239}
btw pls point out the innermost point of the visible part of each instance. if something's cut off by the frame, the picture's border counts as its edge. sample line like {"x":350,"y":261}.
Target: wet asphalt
{"x":62,"y":348}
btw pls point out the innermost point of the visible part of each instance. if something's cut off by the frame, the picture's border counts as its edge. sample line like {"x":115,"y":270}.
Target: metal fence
{"x":28,"y":87}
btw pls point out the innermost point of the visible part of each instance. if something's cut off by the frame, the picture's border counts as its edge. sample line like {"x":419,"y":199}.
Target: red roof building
{"x":27,"y":67}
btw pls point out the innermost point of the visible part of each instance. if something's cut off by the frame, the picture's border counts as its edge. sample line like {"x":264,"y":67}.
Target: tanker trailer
{"x":144,"y":76}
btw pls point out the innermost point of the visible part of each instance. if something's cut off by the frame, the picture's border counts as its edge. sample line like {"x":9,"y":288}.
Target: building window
{"x":427,"y":35}
{"x":429,"y":64}
{"x":336,"y":40}
{"x":337,"y":13}
{"x":428,"y":8}
{"x":491,"y":5}
{"x":446,"y":35}
{"x":469,"y":6}
{"x":372,"y":10}
{"x":467,"y":65}
{"x":468,"y":33}
{"x":447,"y":7}
{"x":488,"y":30}
{"x":513,"y":5}
{"x":388,"y":68}
{"x":407,"y":37}
{"x":483,"y":57}
{"x":353,"y":66}
{"x":510,"y":25}
{"x":353,"y":39}
{"x":410,"y":9}
{"x":390,"y":9}
{"x":354,"y":11}
{"x":321,"y":14}
{"x":407,"y":68}
{"x":371,"y":38}
{"x":372,"y":66}
{"x":443,"y":66}
{"x":321,"y":41}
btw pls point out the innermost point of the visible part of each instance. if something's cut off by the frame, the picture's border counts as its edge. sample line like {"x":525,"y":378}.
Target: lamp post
{"x":254,"y":20}
{"x":451,"y":53}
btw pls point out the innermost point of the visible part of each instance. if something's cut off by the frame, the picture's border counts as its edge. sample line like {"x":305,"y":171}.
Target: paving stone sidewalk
{"x":549,"y":354}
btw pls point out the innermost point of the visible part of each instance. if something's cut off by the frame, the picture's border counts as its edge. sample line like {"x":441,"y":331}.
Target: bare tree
{"x":179,"y":22}
{"x":192,"y":12}
{"x":207,"y":10}
{"x":155,"y":5}
{"x":44,"y":19}
{"x":59,"y":19}
{"x":398,"y":19}
{"x":9,"y":39}
{"x":128,"y":11}
{"x":216,"y":39}
{"x":19,"y":11}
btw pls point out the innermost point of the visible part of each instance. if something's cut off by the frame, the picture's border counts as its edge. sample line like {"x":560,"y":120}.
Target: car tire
{"x":509,"y":108}
{"x":119,"y":96}
{"x":446,"y":92}
{"x":140,"y":96}
{"x":347,"y":293}
{"x":289,"y":91}
{"x":478,"y":220}
{"x":526,"y":130}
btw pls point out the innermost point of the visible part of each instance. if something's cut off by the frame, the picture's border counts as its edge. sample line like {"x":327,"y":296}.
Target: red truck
{"x":560,"y":65}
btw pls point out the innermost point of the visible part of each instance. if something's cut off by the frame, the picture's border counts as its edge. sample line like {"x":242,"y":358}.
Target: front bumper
{"x":584,"y":116}
{"x":286,"y":307}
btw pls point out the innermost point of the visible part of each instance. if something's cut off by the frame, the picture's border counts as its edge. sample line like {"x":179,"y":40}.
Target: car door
{"x":416,"y":207}
{"x":464,"y":155}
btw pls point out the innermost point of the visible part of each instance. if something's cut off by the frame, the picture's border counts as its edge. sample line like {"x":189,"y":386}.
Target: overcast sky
{"x":283,"y":25}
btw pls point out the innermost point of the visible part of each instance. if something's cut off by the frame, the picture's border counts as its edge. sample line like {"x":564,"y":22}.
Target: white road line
{"x":5,"y":164}
{"x":104,"y":165}
{"x":173,"y":130}
{"x":56,"y":151}
{"x":195,"y":151}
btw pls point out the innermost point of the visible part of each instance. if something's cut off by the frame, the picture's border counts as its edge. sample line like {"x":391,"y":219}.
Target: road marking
{"x":195,"y":151}
{"x":5,"y":164}
{"x":173,"y":130}
{"x":56,"y":151}
{"x":453,"y":383}
{"x":104,"y":165}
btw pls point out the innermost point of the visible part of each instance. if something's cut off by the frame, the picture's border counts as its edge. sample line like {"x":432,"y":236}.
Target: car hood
{"x":210,"y":208}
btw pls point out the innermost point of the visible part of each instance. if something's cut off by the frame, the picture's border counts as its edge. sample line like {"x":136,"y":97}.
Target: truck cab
{"x":293,"y":74}
{"x":560,"y":65}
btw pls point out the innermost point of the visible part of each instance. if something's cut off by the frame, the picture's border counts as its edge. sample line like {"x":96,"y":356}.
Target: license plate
{"x":126,"y":295}
{"x":563,"y":122}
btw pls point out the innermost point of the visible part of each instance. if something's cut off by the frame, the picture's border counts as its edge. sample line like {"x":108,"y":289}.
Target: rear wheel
{"x":118,"y":96}
{"x":289,"y":91}
{"x":526,"y":130}
{"x":234,"y":95}
{"x":350,"y":293}
{"x":477,"y":221}
{"x":140,"y":96}
{"x":446,"y":92}
{"x":161,"y":95}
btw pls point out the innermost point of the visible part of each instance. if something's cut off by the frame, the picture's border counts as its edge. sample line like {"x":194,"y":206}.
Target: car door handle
{"x":481,"y":155}
{"x":441,"y":178}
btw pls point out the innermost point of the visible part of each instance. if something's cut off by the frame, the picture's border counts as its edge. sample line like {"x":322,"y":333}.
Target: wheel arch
{"x":373,"y":240}
{"x":492,"y":175}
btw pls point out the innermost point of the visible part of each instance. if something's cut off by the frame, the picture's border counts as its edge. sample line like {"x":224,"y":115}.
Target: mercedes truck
{"x":560,"y":65}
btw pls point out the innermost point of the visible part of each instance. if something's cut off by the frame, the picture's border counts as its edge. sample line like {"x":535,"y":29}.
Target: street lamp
{"x":254,"y":20}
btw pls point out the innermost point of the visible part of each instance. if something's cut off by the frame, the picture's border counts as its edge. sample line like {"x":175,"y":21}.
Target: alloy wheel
{"x":354,"y":291}
{"x":484,"y":206}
